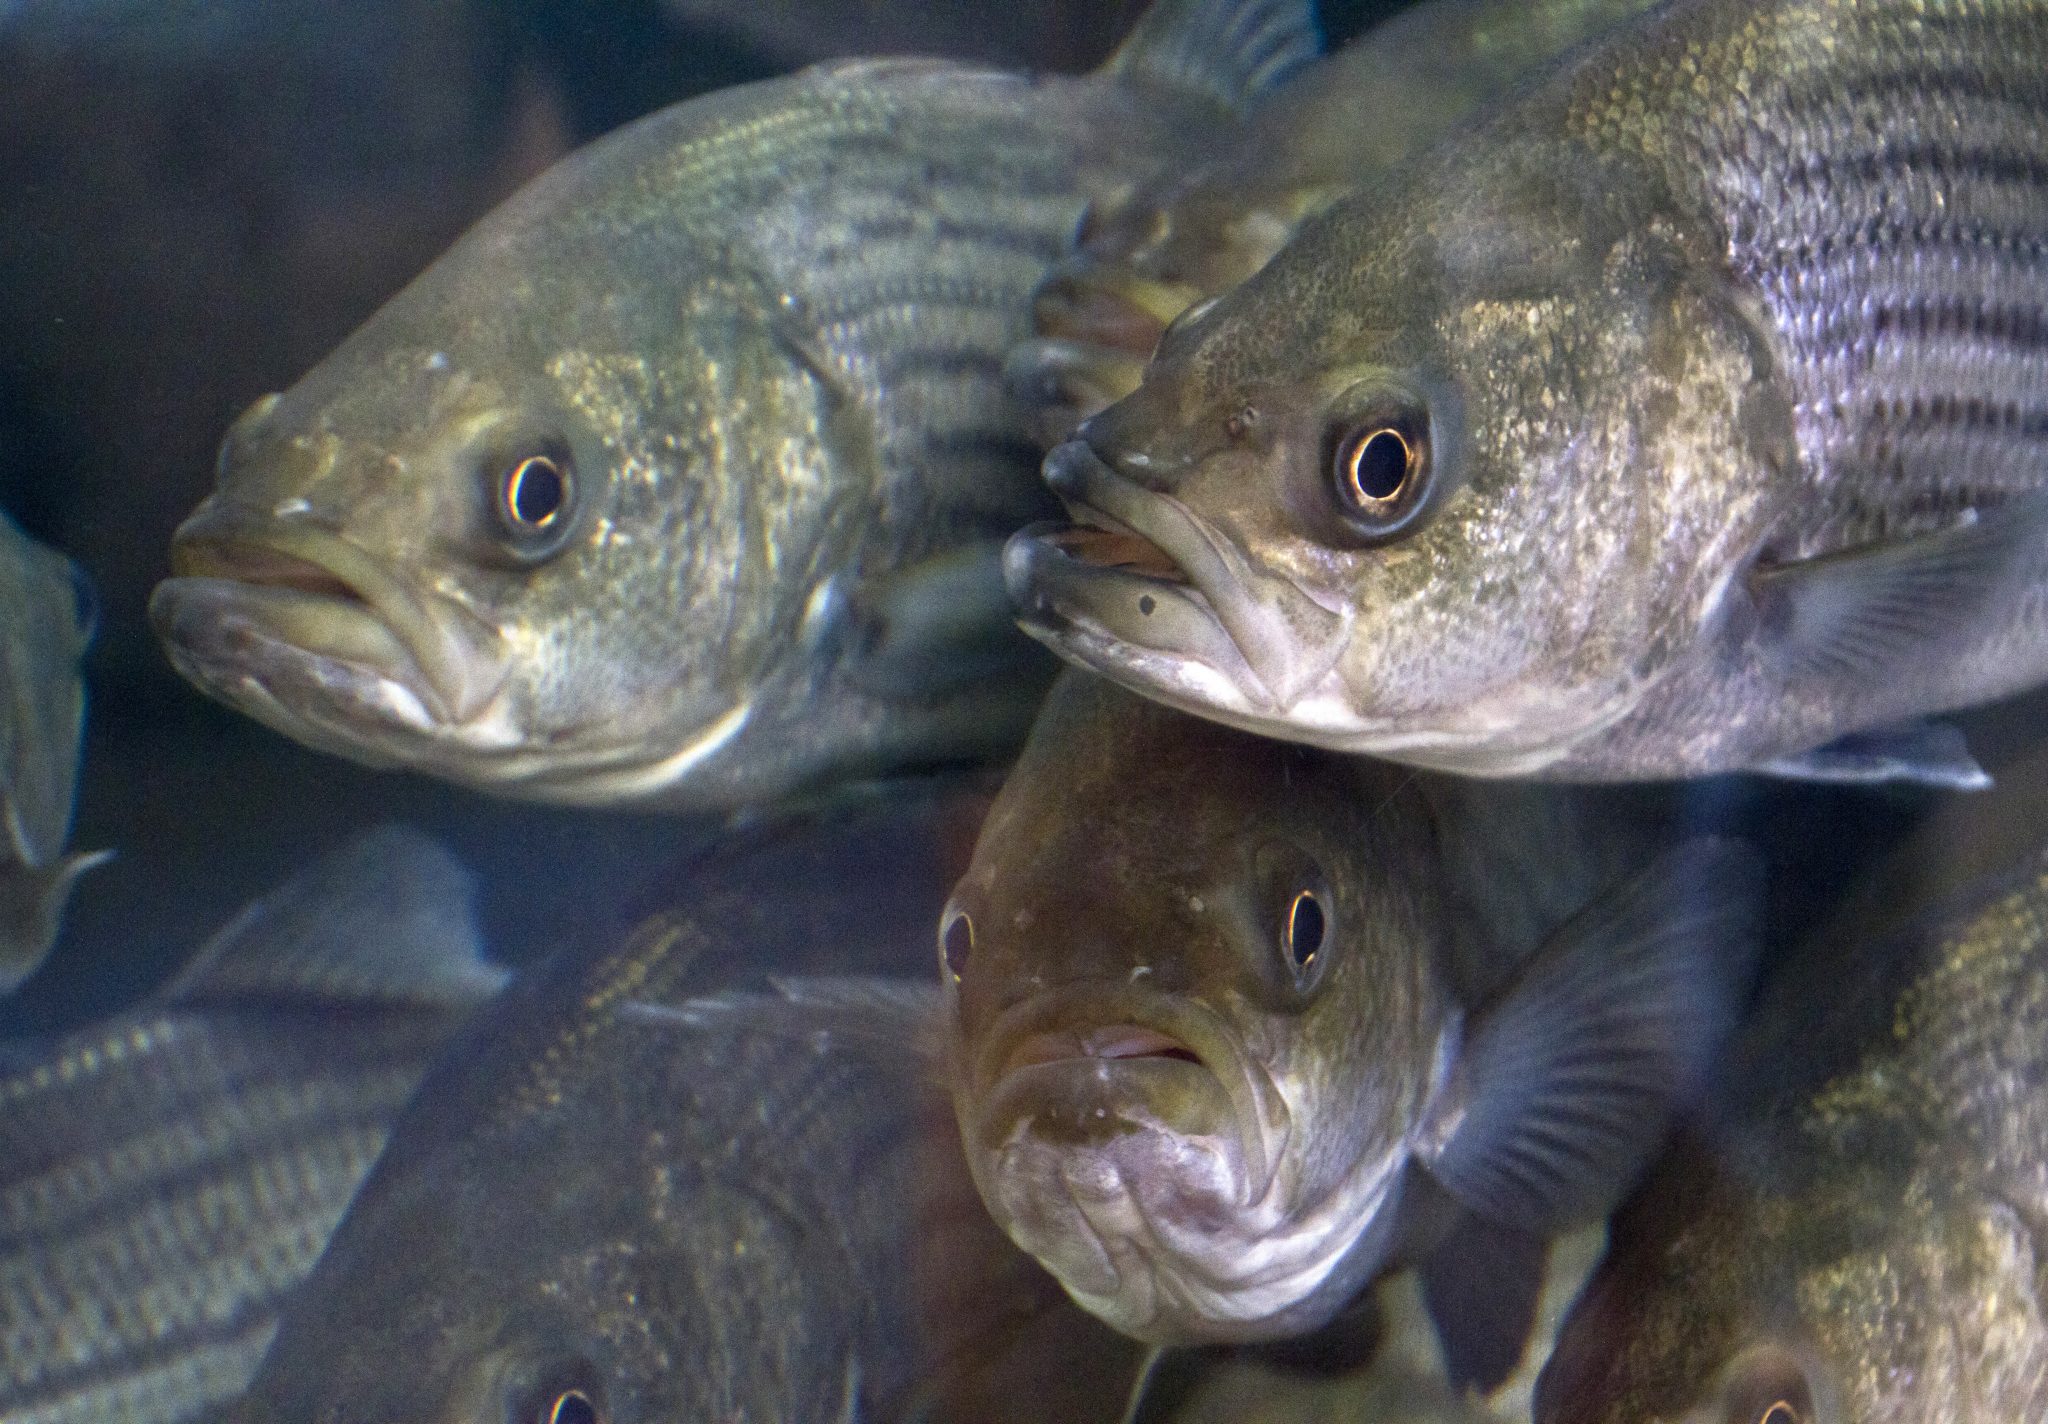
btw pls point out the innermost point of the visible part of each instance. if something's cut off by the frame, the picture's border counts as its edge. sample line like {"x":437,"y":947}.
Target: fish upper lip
{"x":456,"y":655}
{"x":1096,"y":1022}
{"x":1155,"y":532}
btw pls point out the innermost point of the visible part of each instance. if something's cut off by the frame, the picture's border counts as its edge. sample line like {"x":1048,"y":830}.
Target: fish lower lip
{"x":315,"y":592}
{"x":1283,"y":642}
{"x":1144,"y":1030}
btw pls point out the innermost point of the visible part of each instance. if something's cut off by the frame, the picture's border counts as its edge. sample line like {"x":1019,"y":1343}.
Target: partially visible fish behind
{"x":1237,"y":1026}
{"x":1146,"y":256}
{"x":168,"y":1176}
{"x":682,"y":478}
{"x":1858,"y":1237}
{"x":1685,"y":415}
{"x":632,"y":1196}
{"x":47,"y":615}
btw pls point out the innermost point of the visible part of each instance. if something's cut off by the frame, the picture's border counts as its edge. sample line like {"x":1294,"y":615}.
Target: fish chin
{"x":1154,"y":1229}
{"x":1128,"y":1141}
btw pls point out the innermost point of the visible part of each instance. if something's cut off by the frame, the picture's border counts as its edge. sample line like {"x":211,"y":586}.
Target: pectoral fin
{"x":1921,"y":753}
{"x":1567,"y":1081}
{"x":1861,"y":611}
{"x":935,"y":628}
{"x":1481,"y":1287}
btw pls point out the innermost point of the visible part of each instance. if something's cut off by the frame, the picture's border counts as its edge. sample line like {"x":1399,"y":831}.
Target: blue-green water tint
{"x":197,"y":202}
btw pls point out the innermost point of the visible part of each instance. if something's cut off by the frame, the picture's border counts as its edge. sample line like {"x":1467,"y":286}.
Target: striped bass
{"x":169,"y":1176}
{"x":682,"y":478}
{"x":1690,"y":414}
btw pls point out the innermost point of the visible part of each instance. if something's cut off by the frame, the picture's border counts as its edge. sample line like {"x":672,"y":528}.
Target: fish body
{"x":1682,"y":416}
{"x":1238,"y":1025}
{"x":681,"y":478}
{"x":1856,"y":1237}
{"x":1145,"y":256}
{"x":682,"y":1202}
{"x":168,"y":1176}
{"x":47,"y":616}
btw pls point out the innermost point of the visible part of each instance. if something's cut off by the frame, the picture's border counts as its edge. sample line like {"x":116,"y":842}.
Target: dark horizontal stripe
{"x":2024,"y":327}
{"x":2023,"y":249}
{"x":1997,"y":164}
{"x":897,"y":366}
{"x":871,"y":305}
{"x":1030,"y":165}
{"x":244,"y":1333}
{"x":213,"y":1149}
{"x":1921,"y":414}
{"x":996,"y":447}
{"x":324,"y":1172}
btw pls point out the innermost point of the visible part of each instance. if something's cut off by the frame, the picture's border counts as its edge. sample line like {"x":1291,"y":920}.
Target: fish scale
{"x":1885,"y":196}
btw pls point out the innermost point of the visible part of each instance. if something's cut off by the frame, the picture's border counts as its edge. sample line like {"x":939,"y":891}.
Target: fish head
{"x":556,"y":1276}
{"x":1454,"y":478}
{"x":532,"y":527}
{"x":1192,"y":1004}
{"x":1874,"y":1283}
{"x":47,"y":617}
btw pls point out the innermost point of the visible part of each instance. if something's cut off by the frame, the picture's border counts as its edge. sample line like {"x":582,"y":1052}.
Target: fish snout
{"x":312,"y":589}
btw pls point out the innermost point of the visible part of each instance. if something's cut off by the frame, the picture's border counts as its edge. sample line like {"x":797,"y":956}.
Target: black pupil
{"x":958,"y":940}
{"x":572,"y":1407}
{"x":1304,"y":929}
{"x":1780,"y":1413}
{"x":1380,"y":465}
{"x":534,"y":493}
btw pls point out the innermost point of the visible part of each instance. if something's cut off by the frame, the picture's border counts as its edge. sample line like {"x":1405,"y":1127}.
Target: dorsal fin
{"x":388,"y":918}
{"x":1227,"y":52}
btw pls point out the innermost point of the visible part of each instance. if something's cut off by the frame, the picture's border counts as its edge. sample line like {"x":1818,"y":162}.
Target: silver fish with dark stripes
{"x":683,"y":477}
{"x":169,"y":1176}
{"x":47,"y":616}
{"x":635,"y":1196}
{"x":1690,"y":414}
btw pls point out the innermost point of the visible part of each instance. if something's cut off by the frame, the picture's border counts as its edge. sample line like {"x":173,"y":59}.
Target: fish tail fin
{"x":1227,"y":52}
{"x":1567,"y":1082}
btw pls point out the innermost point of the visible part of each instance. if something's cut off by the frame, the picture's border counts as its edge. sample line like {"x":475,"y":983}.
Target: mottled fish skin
{"x":169,"y":1176}
{"x":756,"y":342}
{"x":1207,"y":1136}
{"x":689,"y":1203}
{"x":1722,"y":349}
{"x":1343,"y":125}
{"x":1862,"y":1241}
{"x":47,"y":613}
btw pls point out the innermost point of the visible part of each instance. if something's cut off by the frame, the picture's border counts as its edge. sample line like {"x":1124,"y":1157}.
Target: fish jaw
{"x":1141,"y":569}
{"x":1129,"y":1142}
{"x":307,"y":632}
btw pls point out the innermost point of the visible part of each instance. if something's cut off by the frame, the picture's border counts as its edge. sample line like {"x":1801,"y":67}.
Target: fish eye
{"x":1381,"y":466}
{"x":956,"y":942}
{"x":571,"y":1406}
{"x":1767,"y":1385}
{"x":536,"y":491}
{"x":535,"y":498}
{"x":1303,"y":932}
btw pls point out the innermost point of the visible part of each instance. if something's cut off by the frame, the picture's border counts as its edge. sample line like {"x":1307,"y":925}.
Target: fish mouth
{"x":1144,"y":590}
{"x":309,"y":633}
{"x":1059,"y":1064}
